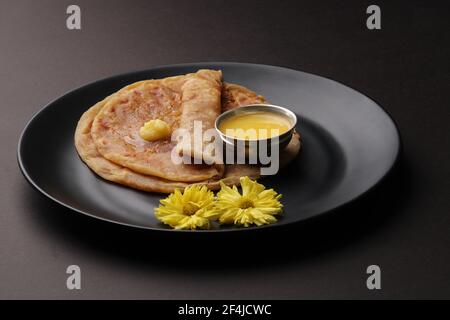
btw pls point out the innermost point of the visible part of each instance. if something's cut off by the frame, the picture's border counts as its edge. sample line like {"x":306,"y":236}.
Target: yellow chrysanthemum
{"x":188,"y":210}
{"x":254,"y":206}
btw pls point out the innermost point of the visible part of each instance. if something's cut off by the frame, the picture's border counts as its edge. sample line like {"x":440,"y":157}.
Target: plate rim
{"x":190,"y":64}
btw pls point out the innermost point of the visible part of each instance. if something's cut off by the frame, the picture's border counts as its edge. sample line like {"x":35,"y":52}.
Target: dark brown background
{"x":403,"y":226}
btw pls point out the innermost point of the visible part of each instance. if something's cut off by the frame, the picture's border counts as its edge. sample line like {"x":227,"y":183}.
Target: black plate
{"x":349,"y":144}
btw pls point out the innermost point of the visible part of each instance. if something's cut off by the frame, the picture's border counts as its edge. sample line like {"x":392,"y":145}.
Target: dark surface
{"x":349,"y":145}
{"x":403,"y":226}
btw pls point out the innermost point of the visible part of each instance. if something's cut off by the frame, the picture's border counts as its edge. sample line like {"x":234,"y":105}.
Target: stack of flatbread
{"x":108,"y":141}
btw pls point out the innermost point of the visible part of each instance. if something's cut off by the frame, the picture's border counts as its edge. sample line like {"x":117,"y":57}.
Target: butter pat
{"x":154,"y":130}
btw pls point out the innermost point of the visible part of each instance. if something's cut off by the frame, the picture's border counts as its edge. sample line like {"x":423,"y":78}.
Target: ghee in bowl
{"x":255,"y":125}
{"x":257,"y":122}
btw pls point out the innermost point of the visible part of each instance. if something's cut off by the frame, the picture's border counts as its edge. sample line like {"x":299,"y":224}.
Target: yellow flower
{"x":188,"y":210}
{"x":254,"y":206}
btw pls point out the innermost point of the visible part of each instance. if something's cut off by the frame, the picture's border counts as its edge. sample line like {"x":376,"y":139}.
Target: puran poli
{"x":122,"y":175}
{"x":115,"y":129}
{"x":234,"y":95}
{"x":201,"y":105}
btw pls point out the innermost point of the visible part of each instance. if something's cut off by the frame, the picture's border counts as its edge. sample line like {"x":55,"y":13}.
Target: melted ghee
{"x":255,"y":125}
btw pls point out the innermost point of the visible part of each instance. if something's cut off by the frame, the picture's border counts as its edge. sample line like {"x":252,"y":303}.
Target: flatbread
{"x":200,"y":105}
{"x":234,"y":95}
{"x":115,"y":129}
{"x":122,"y":175}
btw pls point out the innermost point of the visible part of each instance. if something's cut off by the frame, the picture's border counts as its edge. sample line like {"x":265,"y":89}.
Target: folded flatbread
{"x":232,"y":96}
{"x":200,"y":105}
{"x":178,"y":101}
